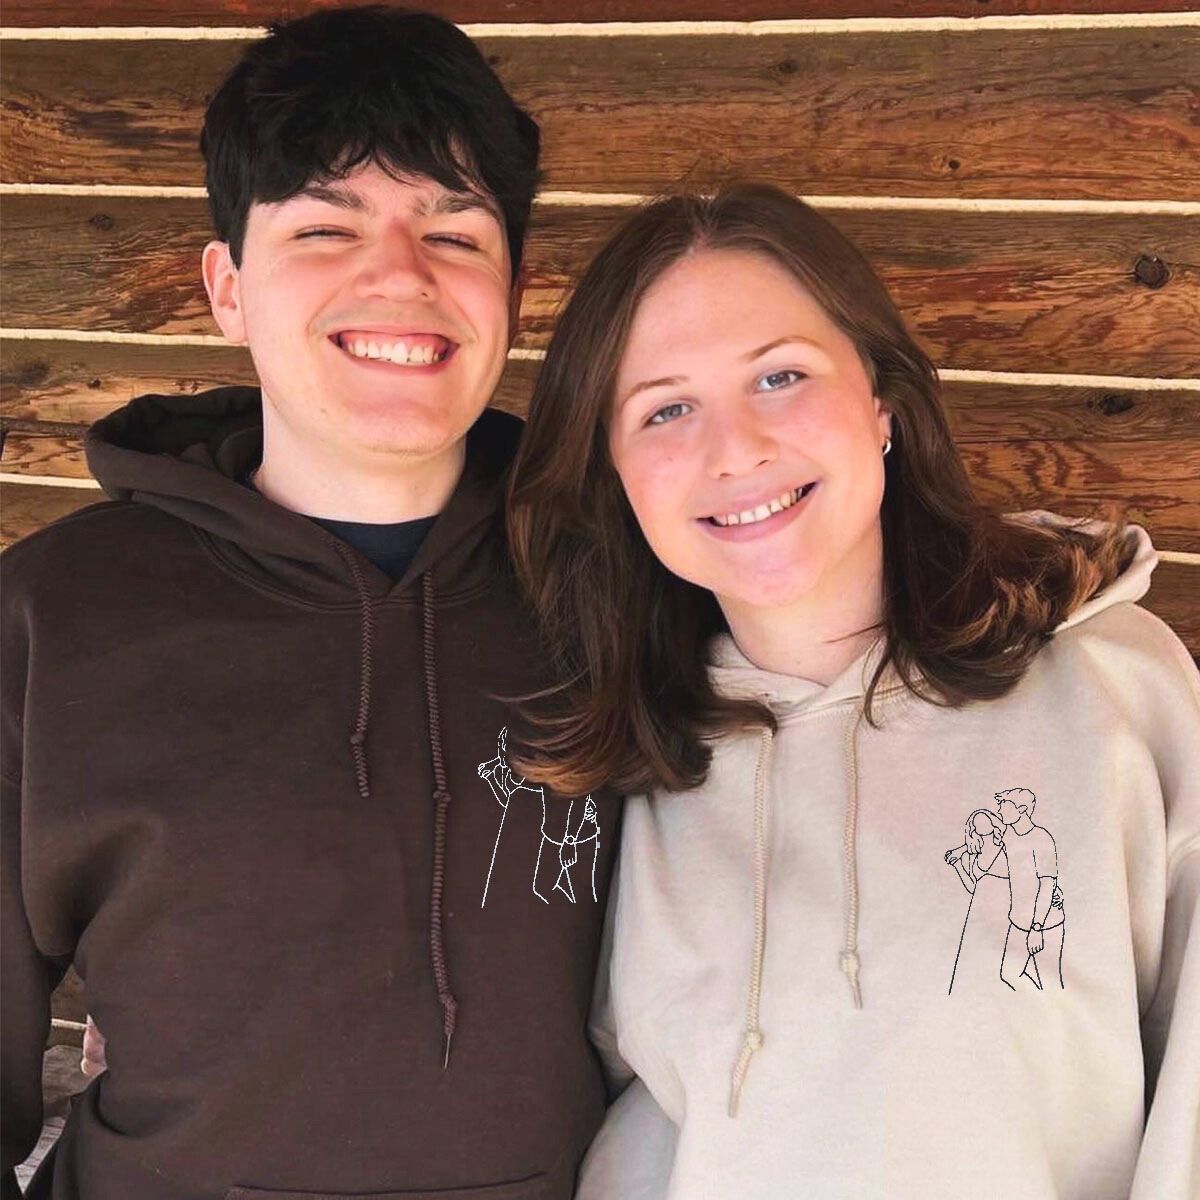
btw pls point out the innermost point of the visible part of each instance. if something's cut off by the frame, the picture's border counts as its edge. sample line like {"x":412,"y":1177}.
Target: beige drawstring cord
{"x":753,"y":1037}
{"x":849,"y":956}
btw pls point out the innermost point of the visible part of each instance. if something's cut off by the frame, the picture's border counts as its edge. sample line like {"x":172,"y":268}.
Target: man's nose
{"x":395,"y":267}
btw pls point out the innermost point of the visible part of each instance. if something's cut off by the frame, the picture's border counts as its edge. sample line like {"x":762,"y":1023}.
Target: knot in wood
{"x":101,"y":221}
{"x":1151,"y":271}
{"x":1111,"y":404}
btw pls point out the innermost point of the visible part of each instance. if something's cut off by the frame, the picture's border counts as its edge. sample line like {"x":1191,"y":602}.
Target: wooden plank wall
{"x":1024,"y":173}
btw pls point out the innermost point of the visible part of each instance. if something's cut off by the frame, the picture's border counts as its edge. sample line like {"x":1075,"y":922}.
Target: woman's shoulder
{"x":1125,"y":640}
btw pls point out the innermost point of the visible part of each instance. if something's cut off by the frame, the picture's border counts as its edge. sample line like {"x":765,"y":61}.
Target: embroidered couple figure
{"x":1009,"y":866}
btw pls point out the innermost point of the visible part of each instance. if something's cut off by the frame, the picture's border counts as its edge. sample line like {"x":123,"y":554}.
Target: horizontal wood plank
{"x":43,"y":13}
{"x":76,"y":383}
{"x":1095,"y":113}
{"x":993,"y":290}
{"x":1173,"y":596}
{"x":1155,"y":483}
{"x":27,"y":508}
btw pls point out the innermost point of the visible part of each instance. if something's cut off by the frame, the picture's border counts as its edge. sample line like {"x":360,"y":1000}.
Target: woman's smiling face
{"x":747,"y":435}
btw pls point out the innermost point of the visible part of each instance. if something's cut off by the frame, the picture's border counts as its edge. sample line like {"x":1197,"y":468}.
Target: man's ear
{"x":222,"y":283}
{"x":514,"y":303}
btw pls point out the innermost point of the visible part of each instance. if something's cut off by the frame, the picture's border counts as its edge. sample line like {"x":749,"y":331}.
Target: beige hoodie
{"x":948,"y":957}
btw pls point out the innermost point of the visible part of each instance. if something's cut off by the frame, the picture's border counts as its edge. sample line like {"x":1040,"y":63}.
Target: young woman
{"x":790,"y":626}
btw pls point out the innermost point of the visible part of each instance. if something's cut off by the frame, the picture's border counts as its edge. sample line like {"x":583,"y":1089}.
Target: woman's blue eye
{"x":778,"y":379}
{"x":669,"y":412}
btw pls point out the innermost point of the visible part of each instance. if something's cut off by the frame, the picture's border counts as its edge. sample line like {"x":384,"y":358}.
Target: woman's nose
{"x":739,"y":444}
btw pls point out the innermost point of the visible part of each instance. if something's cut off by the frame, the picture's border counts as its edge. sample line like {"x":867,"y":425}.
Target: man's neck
{"x":375,"y":489}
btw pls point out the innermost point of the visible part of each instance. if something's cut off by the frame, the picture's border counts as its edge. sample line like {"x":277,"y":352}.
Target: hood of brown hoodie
{"x":188,"y":456}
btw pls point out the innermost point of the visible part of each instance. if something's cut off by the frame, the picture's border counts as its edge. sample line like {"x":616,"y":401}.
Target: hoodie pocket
{"x":533,"y":1188}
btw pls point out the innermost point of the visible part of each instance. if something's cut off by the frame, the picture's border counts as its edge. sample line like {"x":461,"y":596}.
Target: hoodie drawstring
{"x":358,"y":739}
{"x":849,"y":955}
{"x":441,"y":799}
{"x":753,"y":1036}
{"x":441,"y":791}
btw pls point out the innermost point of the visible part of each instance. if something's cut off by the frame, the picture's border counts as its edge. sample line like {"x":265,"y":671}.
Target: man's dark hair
{"x":328,"y":92}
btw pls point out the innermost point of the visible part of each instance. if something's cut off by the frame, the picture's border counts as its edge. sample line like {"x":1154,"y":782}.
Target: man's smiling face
{"x":376,"y":310}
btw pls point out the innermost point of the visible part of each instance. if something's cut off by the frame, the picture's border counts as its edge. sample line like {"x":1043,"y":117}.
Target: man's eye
{"x":778,"y":379}
{"x":669,"y":412}
{"x":322,"y":232}
{"x":453,"y":239}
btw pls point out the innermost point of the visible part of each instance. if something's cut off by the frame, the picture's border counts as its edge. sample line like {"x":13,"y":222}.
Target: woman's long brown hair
{"x":969,"y":596}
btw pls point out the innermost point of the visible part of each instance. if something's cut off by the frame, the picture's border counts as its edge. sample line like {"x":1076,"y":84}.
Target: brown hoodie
{"x":259,"y":795}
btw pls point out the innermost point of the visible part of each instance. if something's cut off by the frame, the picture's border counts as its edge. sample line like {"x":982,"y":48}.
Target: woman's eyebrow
{"x":667,"y":381}
{"x":791,"y":337}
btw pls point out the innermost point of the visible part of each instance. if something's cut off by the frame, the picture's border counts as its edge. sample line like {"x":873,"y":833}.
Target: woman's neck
{"x":819,"y":635}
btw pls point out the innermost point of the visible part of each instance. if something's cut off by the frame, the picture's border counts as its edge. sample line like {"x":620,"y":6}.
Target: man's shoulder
{"x":88,"y":541}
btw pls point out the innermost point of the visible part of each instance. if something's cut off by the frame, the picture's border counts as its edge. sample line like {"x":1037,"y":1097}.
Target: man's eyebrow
{"x":338,"y":197}
{"x":783,"y":341}
{"x":666,"y":381}
{"x":449,"y":203}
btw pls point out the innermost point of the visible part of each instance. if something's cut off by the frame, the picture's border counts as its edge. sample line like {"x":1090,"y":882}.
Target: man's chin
{"x":411,"y":432}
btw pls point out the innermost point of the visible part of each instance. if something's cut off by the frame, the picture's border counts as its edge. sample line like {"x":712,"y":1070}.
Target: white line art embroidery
{"x":1009,"y":865}
{"x":581,"y":839}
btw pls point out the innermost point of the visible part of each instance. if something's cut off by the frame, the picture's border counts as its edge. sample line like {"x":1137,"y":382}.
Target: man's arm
{"x":26,"y":981}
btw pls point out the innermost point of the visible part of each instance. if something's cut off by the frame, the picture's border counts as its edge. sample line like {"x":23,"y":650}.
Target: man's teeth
{"x":393,"y":352}
{"x":753,"y":515}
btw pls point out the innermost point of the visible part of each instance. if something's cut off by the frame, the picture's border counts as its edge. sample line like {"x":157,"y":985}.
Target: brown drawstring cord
{"x":441,"y":797}
{"x":358,"y":739}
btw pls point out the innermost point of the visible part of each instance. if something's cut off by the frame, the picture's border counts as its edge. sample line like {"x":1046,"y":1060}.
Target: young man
{"x":247,"y":702}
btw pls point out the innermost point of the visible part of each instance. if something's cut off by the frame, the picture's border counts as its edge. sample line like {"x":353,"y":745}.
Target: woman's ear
{"x":883,"y":419}
{"x":222,"y":283}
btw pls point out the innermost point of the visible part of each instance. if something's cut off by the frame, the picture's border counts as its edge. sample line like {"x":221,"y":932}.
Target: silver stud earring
{"x":887,"y":447}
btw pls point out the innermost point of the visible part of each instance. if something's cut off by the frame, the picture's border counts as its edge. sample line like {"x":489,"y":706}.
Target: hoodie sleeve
{"x":26,"y":976}
{"x":1169,"y":1161}
{"x":27,"y":981}
{"x":631,"y":1156}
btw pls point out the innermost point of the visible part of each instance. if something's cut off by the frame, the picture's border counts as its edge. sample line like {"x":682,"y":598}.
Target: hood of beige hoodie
{"x":791,"y":698}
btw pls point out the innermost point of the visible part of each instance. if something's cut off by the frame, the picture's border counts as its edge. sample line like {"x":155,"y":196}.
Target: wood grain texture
{"x":1173,"y":596}
{"x":1098,"y":113}
{"x":26,"y":508}
{"x":1153,"y":483}
{"x":261,"y":12}
{"x":75,"y":383}
{"x":993,"y":290}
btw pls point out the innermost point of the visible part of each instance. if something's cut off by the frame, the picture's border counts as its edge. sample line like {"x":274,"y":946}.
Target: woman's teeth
{"x":394,"y":352}
{"x":753,"y":515}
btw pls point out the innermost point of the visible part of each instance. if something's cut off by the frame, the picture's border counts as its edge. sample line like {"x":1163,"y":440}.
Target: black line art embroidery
{"x":554,"y":866}
{"x":1009,"y":866}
